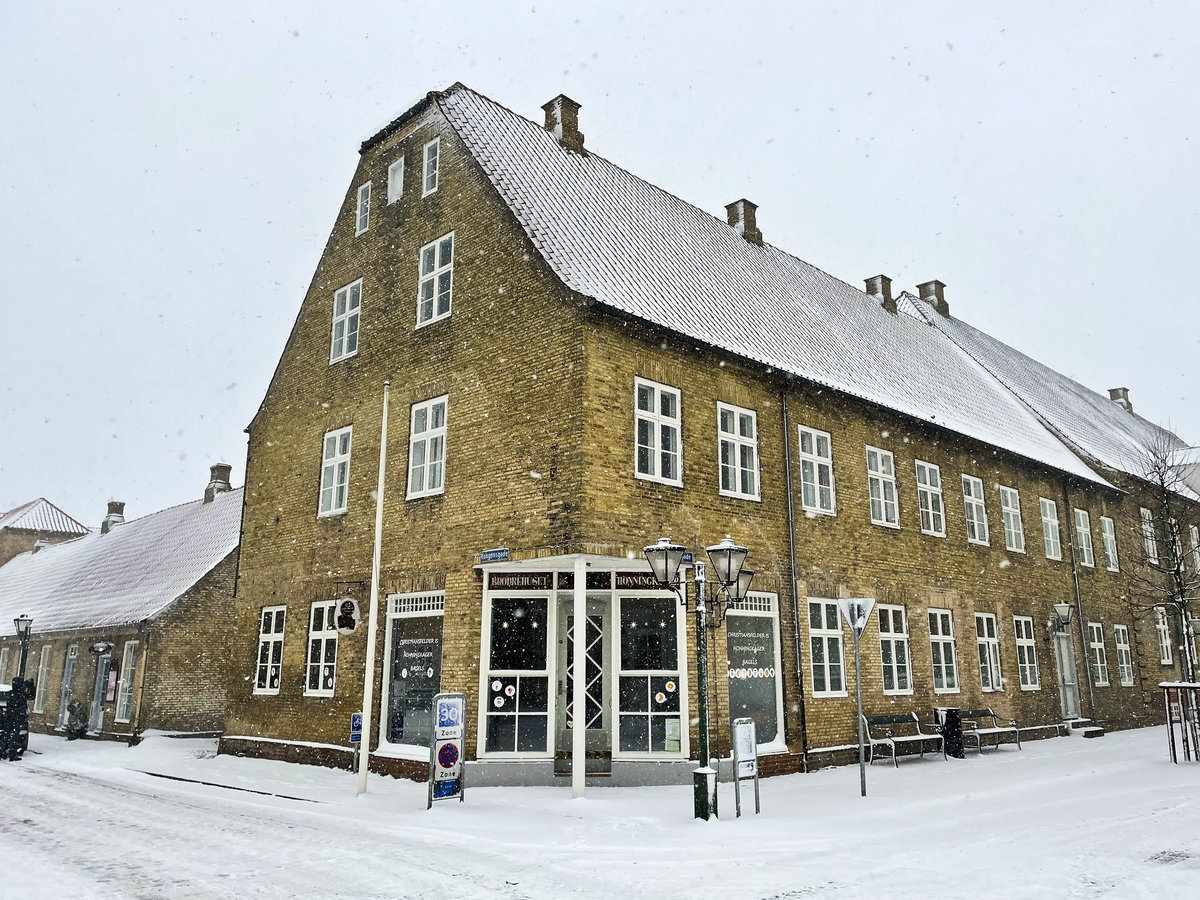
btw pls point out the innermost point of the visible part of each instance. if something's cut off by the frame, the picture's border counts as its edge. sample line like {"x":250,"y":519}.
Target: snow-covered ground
{"x":1064,"y":817}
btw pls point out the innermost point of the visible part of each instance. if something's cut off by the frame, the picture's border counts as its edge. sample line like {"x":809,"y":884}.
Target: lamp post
{"x":1062,"y":611}
{"x":733,"y":581}
{"x":23,"y":624}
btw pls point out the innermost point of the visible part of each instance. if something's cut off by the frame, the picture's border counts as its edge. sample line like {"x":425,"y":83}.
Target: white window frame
{"x":659,"y":424}
{"x":930,"y":499}
{"x":1014,"y":528}
{"x":1083,"y":538}
{"x":1124,"y":655}
{"x":830,"y":638}
{"x":744,"y":451}
{"x":336,"y":447}
{"x":431,"y":266}
{"x":1051,"y":535}
{"x":975,"y":511}
{"x":991,"y":676}
{"x":488,"y":673}
{"x":362,"y":210}
{"x":1194,"y":534}
{"x":1108,"y":537}
{"x":898,"y":644}
{"x":350,"y":298}
{"x":43,"y":674}
{"x":430,"y":444}
{"x":1149,"y":538}
{"x":317,"y":648}
{"x":1097,"y":656}
{"x":1163,"y":628}
{"x":1027,"y":663}
{"x":395,"y":180}
{"x":881,"y":487}
{"x":430,"y":159}
{"x":941,"y":642}
{"x":124,"y":709}
{"x":268,"y":640}
{"x":812,"y":465}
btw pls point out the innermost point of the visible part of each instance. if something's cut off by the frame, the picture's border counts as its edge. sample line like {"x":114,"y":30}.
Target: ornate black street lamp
{"x":23,"y":624}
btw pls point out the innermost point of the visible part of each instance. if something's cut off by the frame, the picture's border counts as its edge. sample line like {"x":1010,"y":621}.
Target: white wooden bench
{"x":975,"y":728}
{"x":898,"y":731}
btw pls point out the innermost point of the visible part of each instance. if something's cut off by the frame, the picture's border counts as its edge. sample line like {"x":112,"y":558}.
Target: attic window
{"x":363,"y":217}
{"x":429,"y":176}
{"x":395,"y":180}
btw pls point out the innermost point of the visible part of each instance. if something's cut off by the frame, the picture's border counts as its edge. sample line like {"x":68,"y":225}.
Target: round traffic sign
{"x":447,"y":756}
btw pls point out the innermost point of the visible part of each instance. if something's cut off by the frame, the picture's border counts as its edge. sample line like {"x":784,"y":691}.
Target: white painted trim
{"x":878,"y":475}
{"x":817,"y":461}
{"x":432,"y":276}
{"x":345,"y":317}
{"x":325,"y":635}
{"x":658,"y":421}
{"x":825,"y":633}
{"x":272,"y":638}
{"x":1010,"y":511}
{"x":426,"y":437}
{"x":335,"y":461}
{"x":736,"y":439}
{"x":974,"y":506}
{"x":927,"y":490}
{"x":895,"y":637}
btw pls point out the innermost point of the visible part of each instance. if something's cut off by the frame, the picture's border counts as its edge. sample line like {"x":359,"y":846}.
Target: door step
{"x":1093,"y":731}
{"x":596,"y":763}
{"x":1077,"y":724}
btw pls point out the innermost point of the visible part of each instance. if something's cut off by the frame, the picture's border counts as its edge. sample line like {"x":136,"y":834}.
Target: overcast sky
{"x":169,"y":174}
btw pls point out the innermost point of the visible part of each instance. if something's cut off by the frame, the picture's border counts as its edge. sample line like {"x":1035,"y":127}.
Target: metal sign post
{"x":356,"y":735}
{"x":857,"y":612}
{"x":447,"y":774}
{"x":745,"y":761}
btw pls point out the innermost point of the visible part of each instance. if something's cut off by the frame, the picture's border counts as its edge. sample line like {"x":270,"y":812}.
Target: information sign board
{"x":447,"y":775}
{"x":745,"y":760}
{"x":355,"y":727}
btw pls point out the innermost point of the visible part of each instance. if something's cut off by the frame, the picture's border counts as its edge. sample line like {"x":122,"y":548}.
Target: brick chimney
{"x":218,"y":481}
{"x":880,"y":287}
{"x":740,"y":215}
{"x":934,"y":293}
{"x":116,"y":516}
{"x":1121,"y":395}
{"x":562,"y":121}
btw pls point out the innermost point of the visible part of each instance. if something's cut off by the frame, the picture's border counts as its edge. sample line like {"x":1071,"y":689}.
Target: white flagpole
{"x":373,"y":617}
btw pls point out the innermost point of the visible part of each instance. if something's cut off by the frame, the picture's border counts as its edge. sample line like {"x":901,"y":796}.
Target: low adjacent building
{"x":38,"y":521}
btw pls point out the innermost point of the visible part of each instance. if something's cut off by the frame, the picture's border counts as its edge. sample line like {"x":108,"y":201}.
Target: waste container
{"x":950,"y":724}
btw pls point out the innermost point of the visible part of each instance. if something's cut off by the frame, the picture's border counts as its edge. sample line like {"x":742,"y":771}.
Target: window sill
{"x":826,"y":696}
{"x":943,"y":691}
{"x":979,"y":543}
{"x":334,"y":362}
{"x":907,"y":693}
{"x":655,"y":480}
{"x":424,"y":494}
{"x":332,"y":514}
{"x":1014,"y":550}
{"x":895,"y":527}
{"x":936,"y":534}
{"x":754,"y":498}
{"x":1031,"y":687}
{"x":429,"y":322}
{"x":814,"y":511}
{"x":318,"y":695}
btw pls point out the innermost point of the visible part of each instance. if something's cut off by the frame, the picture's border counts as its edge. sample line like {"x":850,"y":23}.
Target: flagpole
{"x":373,"y":617}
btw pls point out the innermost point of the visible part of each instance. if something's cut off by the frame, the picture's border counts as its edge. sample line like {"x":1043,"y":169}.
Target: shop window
{"x":648,"y":694}
{"x":517,"y":710}
{"x":414,"y":654}
{"x":752,"y":647}
{"x":270,"y":649}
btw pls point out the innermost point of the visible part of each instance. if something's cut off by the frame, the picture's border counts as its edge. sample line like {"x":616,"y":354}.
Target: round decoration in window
{"x":498,"y":703}
{"x":660,"y":697}
{"x":670,"y":686}
{"x":496,"y":685}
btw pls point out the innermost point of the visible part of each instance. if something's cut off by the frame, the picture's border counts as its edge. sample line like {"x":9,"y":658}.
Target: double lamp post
{"x":733,"y":581}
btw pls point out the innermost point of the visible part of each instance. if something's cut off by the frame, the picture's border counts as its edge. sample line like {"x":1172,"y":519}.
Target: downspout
{"x":1083,"y":641}
{"x":791,"y":522}
{"x":144,"y":634}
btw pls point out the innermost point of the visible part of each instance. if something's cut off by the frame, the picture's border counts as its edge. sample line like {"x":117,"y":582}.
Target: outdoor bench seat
{"x":975,"y":728}
{"x":896,"y":731}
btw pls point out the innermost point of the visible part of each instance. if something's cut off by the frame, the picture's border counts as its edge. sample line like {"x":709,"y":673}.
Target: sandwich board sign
{"x":745,"y":761}
{"x":447,"y":775}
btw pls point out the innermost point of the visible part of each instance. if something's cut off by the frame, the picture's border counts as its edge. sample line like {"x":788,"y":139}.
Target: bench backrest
{"x":985,"y":713}
{"x":906,"y":719}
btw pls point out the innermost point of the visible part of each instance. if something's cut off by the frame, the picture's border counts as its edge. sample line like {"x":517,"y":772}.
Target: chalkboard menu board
{"x":415,"y":675}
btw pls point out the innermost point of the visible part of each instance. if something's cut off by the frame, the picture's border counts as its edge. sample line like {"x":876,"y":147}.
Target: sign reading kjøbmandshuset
{"x":447,"y":776}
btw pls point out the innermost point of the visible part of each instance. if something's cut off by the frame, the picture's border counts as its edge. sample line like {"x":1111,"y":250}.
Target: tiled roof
{"x":638,"y":250}
{"x":130,"y":574}
{"x":41,"y":515}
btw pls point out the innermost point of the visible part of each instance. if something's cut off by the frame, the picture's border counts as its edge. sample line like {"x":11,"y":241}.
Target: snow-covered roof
{"x":1099,"y":428}
{"x":128,"y":575}
{"x":41,"y":515}
{"x":642,"y":252}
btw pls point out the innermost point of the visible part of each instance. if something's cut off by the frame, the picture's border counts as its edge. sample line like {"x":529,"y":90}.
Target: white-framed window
{"x":43,"y":673}
{"x":825,"y":643}
{"x":270,"y":649}
{"x":1194,"y":534}
{"x":517,"y":686}
{"x":755,"y":675}
{"x":649,"y":690}
{"x":1083,"y":537}
{"x":975,"y":510}
{"x":429,"y":167}
{"x":4,"y":679}
{"x":1050,"y":528}
{"x":987,"y":641}
{"x":737,"y":431}
{"x":1163,"y":628}
{"x":435,"y":286}
{"x":1027,"y":665}
{"x":1149,"y":539}
{"x":929,"y":498}
{"x":881,"y":481}
{"x":362,"y":215}
{"x":817,"y":493}
{"x":321,"y":669}
{"x":129,"y":658}
{"x":395,"y":175}
{"x":657,"y":423}
{"x":941,"y":646}
{"x":1098,"y":657}
{"x":335,"y":471}
{"x":893,"y":649}
{"x":1014,"y":528}
{"x":413,"y":670}
{"x":1124,"y":655}
{"x":1108,"y":536}
{"x":347,"y":306}
{"x":427,"y":448}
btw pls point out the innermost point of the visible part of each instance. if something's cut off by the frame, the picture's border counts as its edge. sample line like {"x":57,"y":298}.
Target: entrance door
{"x":103,"y":664}
{"x":64,"y":696}
{"x":597,"y":716}
{"x":1068,"y":681}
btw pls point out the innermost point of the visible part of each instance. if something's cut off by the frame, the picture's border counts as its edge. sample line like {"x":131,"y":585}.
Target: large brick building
{"x":581,"y":363}
{"x":131,"y":621}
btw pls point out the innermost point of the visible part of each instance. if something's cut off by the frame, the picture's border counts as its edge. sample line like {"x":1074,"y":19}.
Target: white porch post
{"x":578,"y":689}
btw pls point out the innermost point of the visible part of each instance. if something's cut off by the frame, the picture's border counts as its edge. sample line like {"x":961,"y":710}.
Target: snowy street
{"x":1064,"y":817}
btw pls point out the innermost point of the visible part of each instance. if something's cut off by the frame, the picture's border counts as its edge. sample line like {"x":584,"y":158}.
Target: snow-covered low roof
{"x":642,"y":252}
{"x":128,"y":575}
{"x":41,"y":515}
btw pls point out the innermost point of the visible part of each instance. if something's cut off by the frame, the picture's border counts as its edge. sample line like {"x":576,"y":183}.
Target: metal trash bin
{"x":950,"y":725}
